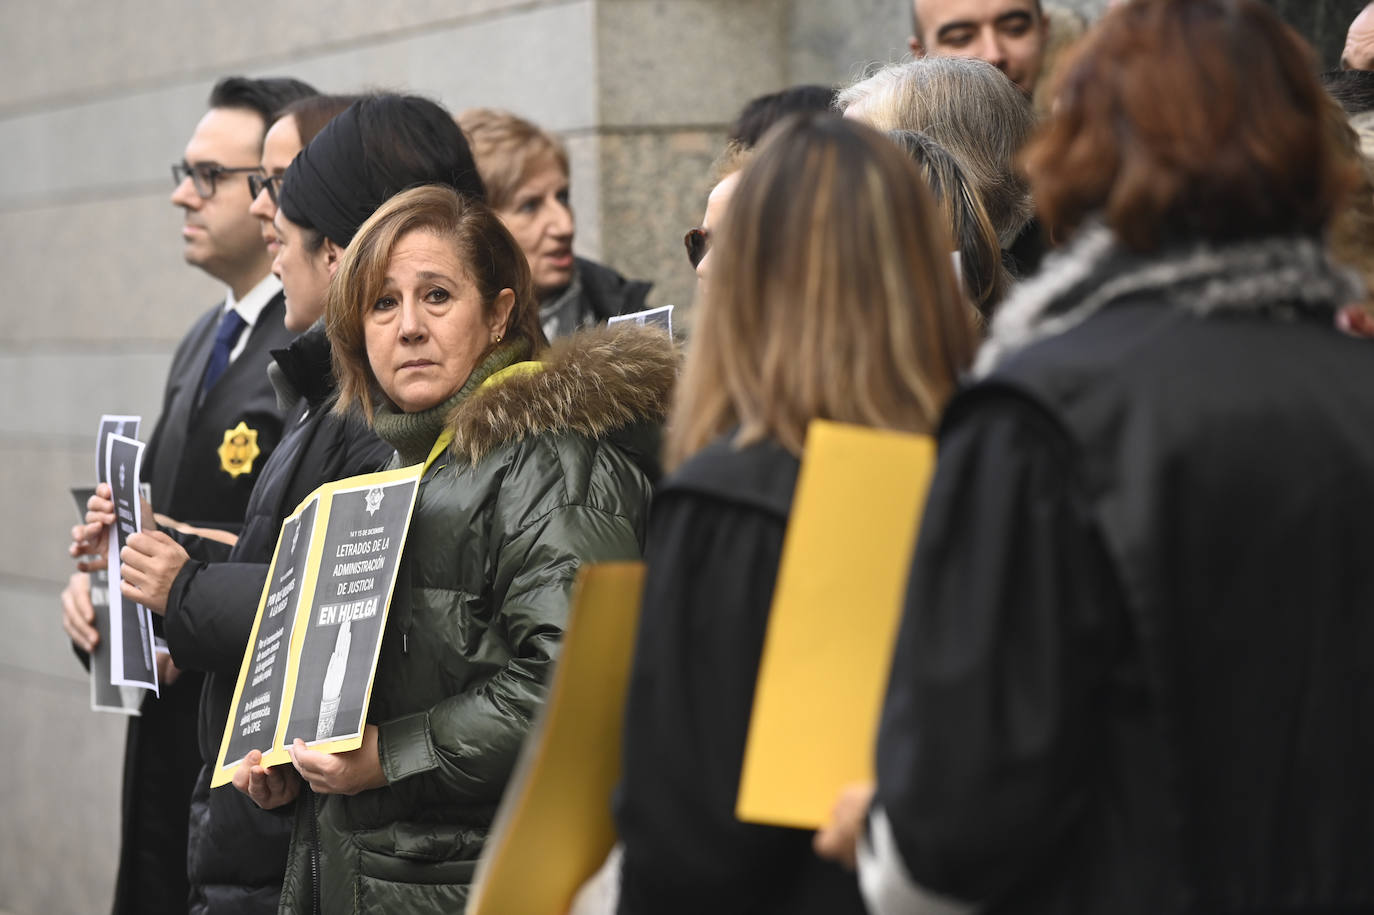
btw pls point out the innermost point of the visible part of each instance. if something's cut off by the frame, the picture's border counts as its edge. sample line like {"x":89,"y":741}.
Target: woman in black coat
{"x":801,"y":327}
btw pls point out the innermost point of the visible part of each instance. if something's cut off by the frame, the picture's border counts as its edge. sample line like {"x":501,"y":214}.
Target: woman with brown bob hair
{"x":537,"y":460}
{"x":831,"y":296}
{"x":1136,"y":668}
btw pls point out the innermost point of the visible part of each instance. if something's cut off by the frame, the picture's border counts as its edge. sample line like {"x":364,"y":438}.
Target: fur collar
{"x":594,"y":382}
{"x":1281,"y":277}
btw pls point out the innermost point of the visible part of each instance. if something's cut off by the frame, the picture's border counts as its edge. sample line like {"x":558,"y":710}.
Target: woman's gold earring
{"x":498,"y":339}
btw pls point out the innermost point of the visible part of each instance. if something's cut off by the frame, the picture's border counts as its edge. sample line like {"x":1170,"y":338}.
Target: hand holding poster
{"x":311,"y":658}
{"x":132,"y":652}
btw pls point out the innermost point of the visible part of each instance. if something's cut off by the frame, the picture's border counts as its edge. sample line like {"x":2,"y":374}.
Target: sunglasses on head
{"x":698,"y":242}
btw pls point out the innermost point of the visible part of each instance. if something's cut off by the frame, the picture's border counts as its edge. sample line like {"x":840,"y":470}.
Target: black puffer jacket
{"x":237,"y":853}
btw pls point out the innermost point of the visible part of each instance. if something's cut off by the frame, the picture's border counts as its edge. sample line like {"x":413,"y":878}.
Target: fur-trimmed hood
{"x":1280,"y":277}
{"x":592,"y":383}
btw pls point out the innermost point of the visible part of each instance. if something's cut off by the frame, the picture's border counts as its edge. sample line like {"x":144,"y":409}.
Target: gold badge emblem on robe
{"x":239,"y":449}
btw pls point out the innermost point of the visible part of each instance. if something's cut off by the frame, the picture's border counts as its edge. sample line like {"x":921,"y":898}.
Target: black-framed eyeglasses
{"x":698,"y":242}
{"x":203,"y":177}
{"x":269,"y":183}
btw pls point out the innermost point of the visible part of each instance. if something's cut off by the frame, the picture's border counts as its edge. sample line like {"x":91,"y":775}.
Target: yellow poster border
{"x":277,"y":753}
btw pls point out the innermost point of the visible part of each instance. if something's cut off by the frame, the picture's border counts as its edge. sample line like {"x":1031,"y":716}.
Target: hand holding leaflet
{"x":90,"y":540}
{"x":838,"y":840}
{"x":149,"y":563}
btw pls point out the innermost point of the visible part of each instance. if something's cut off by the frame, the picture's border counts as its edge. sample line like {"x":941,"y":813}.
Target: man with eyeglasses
{"x":219,"y":407}
{"x":219,"y":422}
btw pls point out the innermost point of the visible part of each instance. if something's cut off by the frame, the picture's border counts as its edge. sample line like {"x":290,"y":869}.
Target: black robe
{"x":187,"y":473}
{"x":195,"y":478}
{"x":1136,"y":668}
{"x":715,"y":540}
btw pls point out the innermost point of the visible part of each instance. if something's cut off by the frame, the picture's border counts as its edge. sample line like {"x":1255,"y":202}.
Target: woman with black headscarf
{"x":376,"y":147}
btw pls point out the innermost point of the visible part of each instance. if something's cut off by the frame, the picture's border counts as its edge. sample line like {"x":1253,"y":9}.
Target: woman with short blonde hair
{"x":525,"y":169}
{"x":508,"y":149}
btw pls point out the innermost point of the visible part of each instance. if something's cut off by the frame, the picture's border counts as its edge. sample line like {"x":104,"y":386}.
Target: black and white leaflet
{"x":253,"y":720}
{"x":132,"y":652}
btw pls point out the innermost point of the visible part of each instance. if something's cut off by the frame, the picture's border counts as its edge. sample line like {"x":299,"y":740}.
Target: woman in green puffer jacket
{"x":549,"y":465}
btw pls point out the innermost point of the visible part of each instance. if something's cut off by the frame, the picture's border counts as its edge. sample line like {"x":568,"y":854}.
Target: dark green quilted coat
{"x":547,"y":471}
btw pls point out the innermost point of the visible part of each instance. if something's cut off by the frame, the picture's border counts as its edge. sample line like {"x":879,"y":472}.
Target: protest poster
{"x":132,"y":650}
{"x":312,"y":655}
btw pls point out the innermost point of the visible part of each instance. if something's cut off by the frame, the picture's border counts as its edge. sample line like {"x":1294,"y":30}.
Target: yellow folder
{"x":836,"y":608}
{"x":313,"y":515}
{"x":554,"y":828}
